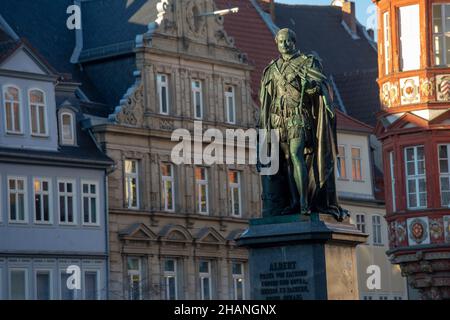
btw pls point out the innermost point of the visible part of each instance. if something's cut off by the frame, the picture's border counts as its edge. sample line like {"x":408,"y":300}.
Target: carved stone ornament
{"x":410,"y":90}
{"x":443,"y":87}
{"x":385,"y":95}
{"x":132,"y":111}
{"x":195,"y":23}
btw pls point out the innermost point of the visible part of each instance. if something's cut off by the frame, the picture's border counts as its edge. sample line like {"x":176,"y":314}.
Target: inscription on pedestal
{"x":284,"y":282}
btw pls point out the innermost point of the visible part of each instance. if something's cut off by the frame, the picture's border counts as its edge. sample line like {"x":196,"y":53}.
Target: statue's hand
{"x":312,"y":88}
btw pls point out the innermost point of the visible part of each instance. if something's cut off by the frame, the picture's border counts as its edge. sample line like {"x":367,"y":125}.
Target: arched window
{"x":38,"y":112}
{"x":67,"y":128}
{"x":12,"y":109}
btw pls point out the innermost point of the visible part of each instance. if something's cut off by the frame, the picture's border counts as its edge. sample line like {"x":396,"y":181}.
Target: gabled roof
{"x":252,"y":37}
{"x":347,"y":123}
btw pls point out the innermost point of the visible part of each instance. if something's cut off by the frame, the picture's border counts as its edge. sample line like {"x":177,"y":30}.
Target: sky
{"x":365,"y":9}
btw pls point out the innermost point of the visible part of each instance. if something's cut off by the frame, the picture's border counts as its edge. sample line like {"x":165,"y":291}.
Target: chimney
{"x":349,"y":15}
{"x":269,"y":7}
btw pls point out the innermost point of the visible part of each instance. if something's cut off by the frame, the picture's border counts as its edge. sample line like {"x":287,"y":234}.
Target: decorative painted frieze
{"x":436,"y":230}
{"x":418,"y":231}
{"x":427,"y":86}
{"x":409,"y":90}
{"x":443,"y":87}
{"x":447,"y":228}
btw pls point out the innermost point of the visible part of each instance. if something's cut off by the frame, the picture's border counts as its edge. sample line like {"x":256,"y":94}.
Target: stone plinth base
{"x":298,"y":258}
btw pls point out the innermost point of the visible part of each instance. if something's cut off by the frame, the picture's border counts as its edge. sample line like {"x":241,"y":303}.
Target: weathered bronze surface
{"x":296,"y":100}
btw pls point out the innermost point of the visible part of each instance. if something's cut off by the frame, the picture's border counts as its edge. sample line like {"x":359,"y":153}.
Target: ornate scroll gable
{"x":131,"y":109}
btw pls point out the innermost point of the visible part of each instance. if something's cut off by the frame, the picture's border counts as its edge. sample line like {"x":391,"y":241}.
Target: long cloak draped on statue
{"x":320,"y":152}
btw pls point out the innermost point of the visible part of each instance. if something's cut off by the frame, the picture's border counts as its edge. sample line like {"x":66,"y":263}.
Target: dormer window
{"x":38,"y":113}
{"x":67,"y":128}
{"x":12,"y":109}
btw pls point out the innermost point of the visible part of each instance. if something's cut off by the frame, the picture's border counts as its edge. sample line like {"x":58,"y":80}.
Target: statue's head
{"x":286,"y":40}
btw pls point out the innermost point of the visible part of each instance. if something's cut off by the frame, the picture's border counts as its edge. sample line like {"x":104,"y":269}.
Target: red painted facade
{"x":415,"y":113}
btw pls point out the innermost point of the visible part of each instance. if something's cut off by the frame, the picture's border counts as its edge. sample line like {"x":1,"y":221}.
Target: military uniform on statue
{"x":318,"y":252}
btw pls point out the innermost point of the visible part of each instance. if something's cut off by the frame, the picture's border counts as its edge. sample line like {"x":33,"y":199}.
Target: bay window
{"x":415,"y":177}
{"x":409,"y":34}
{"x":441,"y":34}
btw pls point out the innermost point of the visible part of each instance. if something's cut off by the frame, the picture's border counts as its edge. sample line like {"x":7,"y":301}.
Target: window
{"x":131,"y":184}
{"x":201,"y":182}
{"x":42,"y":201}
{"x":444,"y":174}
{"x":168,"y":187}
{"x":415,"y":177}
{"x":170,"y":279}
{"x":163,"y":93}
{"x":356,"y":164}
{"x":17,"y":199}
{"x":66,"y":203}
{"x":361,"y":222}
{"x":409,"y":30}
{"x":90,"y":202}
{"x":43,"y":285}
{"x":341,"y":167}
{"x":91,"y":285}
{"x":12,"y":107}
{"x":134,"y":278}
{"x":205,"y":280}
{"x":387,"y":41}
{"x":235,"y":192}
{"x":66,"y":293}
{"x":38,"y":113}
{"x":67,"y":129}
{"x":376,"y":228}
{"x":230,"y":102}
{"x":392,"y":169}
{"x":18,"y":284}
{"x":197,"y":98}
{"x":238,"y":281}
{"x":441,"y":34}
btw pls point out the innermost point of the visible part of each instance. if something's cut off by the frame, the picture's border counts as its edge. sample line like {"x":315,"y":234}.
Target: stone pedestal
{"x":298,"y":258}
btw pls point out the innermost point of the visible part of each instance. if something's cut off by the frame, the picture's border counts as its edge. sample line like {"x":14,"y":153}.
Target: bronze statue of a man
{"x":296,"y":101}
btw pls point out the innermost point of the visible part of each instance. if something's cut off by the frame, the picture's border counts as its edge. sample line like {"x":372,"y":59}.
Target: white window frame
{"x":205,"y":275}
{"x":42,"y":193}
{"x":27,"y":285}
{"x":357,"y":159}
{"x":90,"y":196}
{"x":232,"y":186}
{"x":416,"y":66}
{"x":441,"y":56}
{"x":130,"y":274}
{"x":42,"y":105}
{"x":443,"y":175}
{"x":50,"y":272}
{"x":98,"y":283}
{"x":170,"y":179}
{"x":67,"y":142}
{"x":393,"y":185}
{"x":66,"y":194}
{"x":416,"y":177}
{"x":163,"y":84}
{"x":236,"y":278}
{"x":231,"y":95}
{"x":25,"y":199}
{"x":15,"y":131}
{"x":341,"y":159}
{"x":198,"y":187}
{"x":198,"y":91}
{"x":129,"y":176}
{"x":171,"y":274}
{"x":377,"y":233}
{"x":387,"y":41}
{"x":361,"y":224}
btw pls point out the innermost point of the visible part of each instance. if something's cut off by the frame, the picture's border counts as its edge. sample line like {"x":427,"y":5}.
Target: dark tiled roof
{"x":252,"y":36}
{"x":7,"y":48}
{"x":352,"y":62}
{"x":360,"y":94}
{"x":107,"y":22}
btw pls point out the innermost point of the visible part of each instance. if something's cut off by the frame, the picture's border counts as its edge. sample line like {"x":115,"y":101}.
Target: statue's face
{"x":286,"y":45}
